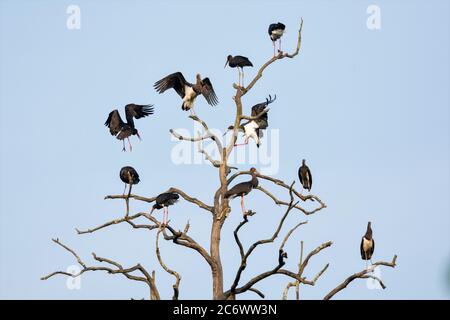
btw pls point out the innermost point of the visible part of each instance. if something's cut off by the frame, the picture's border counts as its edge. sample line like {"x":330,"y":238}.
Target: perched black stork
{"x":123,"y":130}
{"x":244,"y":188}
{"x":188,"y":91}
{"x":238,"y":62}
{"x":163,"y":201}
{"x":253,"y":128}
{"x":367,"y":244}
{"x":304,"y":174}
{"x":129,"y":176}
{"x":276,"y":31}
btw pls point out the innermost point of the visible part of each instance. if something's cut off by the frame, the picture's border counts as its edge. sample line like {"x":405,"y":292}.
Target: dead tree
{"x":220,"y":210}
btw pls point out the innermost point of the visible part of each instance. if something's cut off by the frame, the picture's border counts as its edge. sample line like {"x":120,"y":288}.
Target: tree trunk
{"x":217,"y":272}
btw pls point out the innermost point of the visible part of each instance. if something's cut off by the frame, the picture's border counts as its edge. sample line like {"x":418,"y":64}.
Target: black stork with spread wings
{"x":123,"y":130}
{"x":253,"y":128}
{"x":188,"y":91}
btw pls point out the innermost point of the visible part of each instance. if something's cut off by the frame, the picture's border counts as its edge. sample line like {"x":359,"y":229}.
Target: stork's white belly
{"x":278,"y":32}
{"x":189,"y":93}
{"x":250,"y":131}
{"x":367,"y":244}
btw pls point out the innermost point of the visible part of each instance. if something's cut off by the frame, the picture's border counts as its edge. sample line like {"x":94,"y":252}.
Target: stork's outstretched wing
{"x":208,"y":92}
{"x":114,"y":122}
{"x":137,"y":111}
{"x":175,"y":80}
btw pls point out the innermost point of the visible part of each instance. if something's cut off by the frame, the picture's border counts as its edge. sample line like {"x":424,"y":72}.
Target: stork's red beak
{"x":226,"y":64}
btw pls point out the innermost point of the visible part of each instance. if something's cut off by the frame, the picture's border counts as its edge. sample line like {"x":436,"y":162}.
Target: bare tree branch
{"x":362,"y":275}
{"x":280,"y":56}
{"x":149,"y":280}
{"x":177,"y":276}
{"x":240,"y":91}
{"x":178,"y":237}
{"x":282,"y":184}
{"x":259,"y":115}
{"x":313,"y":253}
{"x":118,"y":221}
{"x":244,"y":256}
{"x":193,"y":139}
{"x":208,"y":132}
{"x":184,"y":195}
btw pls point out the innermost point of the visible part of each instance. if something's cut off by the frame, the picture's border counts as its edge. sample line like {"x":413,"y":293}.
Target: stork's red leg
{"x":129,"y":191}
{"x":274,"y":53}
{"x":123,"y":148}
{"x":167,"y":216}
{"x":124,"y":189}
{"x":129,"y":143}
{"x":242,"y":205}
{"x":242,"y":144}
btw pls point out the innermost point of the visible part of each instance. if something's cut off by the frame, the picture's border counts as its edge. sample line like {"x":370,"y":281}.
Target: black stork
{"x":129,"y":176}
{"x":123,"y":130}
{"x":276,"y":31}
{"x":238,"y":62}
{"x":367,"y":244}
{"x":163,"y":201}
{"x":304,"y":174}
{"x":244,"y":188}
{"x":188,"y":91}
{"x":253,"y":128}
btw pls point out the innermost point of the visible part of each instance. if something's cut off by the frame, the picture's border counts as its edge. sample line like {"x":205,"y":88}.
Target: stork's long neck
{"x":368,"y":234}
{"x":254,"y":181}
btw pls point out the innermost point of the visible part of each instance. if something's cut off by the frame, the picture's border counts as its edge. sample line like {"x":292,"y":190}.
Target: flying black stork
{"x":253,"y":128}
{"x":123,"y":130}
{"x":304,"y":174}
{"x":238,"y":62}
{"x":244,"y":188}
{"x":276,"y":31}
{"x":163,"y":201}
{"x":188,"y":91}
{"x":367,"y":244}
{"x":129,"y":176}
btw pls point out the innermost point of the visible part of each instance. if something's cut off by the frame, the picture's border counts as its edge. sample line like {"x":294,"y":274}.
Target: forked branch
{"x":363,"y":275}
{"x":116,"y":269}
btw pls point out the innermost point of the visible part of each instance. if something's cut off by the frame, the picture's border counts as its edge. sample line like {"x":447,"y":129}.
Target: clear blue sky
{"x":368,"y":109}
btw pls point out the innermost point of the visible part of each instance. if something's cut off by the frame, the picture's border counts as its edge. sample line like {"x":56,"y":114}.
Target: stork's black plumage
{"x":253,"y":128}
{"x":188,"y":91}
{"x":304,"y":174}
{"x":244,"y":188}
{"x":129,"y":176}
{"x":238,"y":62}
{"x":163,"y":201}
{"x":367,"y":246}
{"x":276,"y":31}
{"x":123,"y":130}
